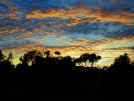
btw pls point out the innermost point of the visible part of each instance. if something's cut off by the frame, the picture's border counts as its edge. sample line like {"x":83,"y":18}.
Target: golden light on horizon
{"x":108,"y":56}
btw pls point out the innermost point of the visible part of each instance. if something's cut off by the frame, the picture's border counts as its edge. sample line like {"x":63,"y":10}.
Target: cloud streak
{"x":80,"y":15}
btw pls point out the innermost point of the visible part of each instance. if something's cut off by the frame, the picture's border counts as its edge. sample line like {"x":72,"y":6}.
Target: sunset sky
{"x":73,"y":27}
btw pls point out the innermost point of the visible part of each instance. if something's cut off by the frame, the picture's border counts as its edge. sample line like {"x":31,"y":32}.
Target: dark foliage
{"x":62,"y":64}
{"x":68,"y":83}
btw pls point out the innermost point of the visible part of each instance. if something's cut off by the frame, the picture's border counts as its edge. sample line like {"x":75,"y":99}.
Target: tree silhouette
{"x":2,"y":57}
{"x":26,"y":59}
{"x":89,"y":58}
{"x":5,"y":62}
{"x":123,"y":59}
{"x":10,"y":57}
{"x":47,"y":54}
{"x":62,"y":64}
{"x":93,"y":58}
{"x":84,"y":58}
{"x":78,"y":60}
{"x":121,"y":63}
{"x":57,"y":53}
{"x":30,"y":56}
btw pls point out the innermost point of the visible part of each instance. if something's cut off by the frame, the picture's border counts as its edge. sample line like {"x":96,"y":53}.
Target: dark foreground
{"x":56,"y":78}
{"x":93,"y":85}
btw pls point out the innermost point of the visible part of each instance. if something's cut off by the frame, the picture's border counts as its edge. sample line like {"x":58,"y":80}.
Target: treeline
{"x":33,"y":61}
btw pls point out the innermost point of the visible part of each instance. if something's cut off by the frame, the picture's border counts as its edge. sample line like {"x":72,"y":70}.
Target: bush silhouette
{"x":121,"y":63}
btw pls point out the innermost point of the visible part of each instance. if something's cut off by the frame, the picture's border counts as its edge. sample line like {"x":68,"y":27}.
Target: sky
{"x":104,"y":27}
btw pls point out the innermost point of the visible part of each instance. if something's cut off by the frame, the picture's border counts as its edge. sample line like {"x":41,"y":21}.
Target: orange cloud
{"x":83,"y":42}
{"x":8,"y":29}
{"x":99,"y":45}
{"x":12,"y":11}
{"x":80,"y":15}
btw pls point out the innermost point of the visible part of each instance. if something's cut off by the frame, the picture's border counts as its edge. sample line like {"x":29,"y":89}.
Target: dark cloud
{"x":43,"y":4}
{"x":108,"y":29}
